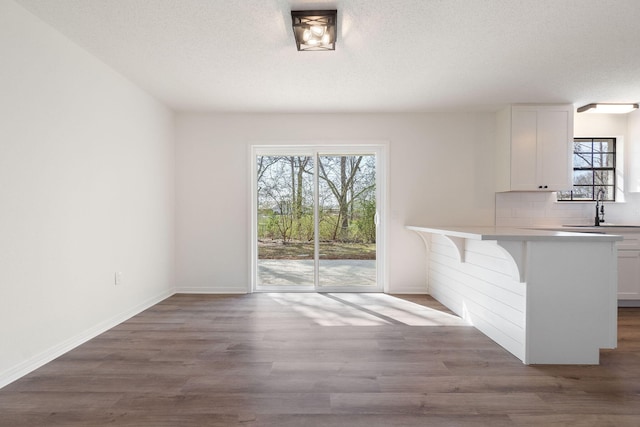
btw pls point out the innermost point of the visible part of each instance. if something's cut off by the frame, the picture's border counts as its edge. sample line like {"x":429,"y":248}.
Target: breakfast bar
{"x":548,"y":297}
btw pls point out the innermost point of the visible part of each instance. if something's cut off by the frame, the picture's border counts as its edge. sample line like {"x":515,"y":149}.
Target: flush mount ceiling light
{"x":315,"y":29}
{"x":608,"y":108}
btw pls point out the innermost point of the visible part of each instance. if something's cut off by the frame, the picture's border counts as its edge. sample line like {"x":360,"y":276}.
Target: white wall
{"x":87,"y":189}
{"x":441,"y":172}
{"x":542,"y":209}
{"x":633,"y":161}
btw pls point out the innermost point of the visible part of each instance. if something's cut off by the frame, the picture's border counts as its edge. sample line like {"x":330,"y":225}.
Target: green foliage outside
{"x":346,"y":206}
{"x":284,"y":227}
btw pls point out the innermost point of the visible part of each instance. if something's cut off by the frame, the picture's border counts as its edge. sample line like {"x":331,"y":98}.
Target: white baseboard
{"x":408,"y":292}
{"x":420,"y":290}
{"x":209,"y":290}
{"x":58,"y":350}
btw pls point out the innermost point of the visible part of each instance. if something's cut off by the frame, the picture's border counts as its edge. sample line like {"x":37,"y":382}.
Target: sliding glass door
{"x":347,"y":220}
{"x":285,"y":221}
{"x":316,"y":219}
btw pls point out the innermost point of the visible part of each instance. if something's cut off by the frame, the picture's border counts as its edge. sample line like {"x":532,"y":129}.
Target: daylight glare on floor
{"x":364,"y":309}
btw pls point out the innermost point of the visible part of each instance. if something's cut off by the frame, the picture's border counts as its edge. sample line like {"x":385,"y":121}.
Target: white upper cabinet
{"x":534,"y":148}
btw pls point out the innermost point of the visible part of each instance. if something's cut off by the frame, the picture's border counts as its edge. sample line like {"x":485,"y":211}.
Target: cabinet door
{"x":628,"y":274}
{"x":554,"y":145}
{"x":524,"y":149}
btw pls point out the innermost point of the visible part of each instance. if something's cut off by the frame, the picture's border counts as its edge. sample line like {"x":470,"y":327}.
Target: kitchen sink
{"x":606,"y":228}
{"x":605,"y":225}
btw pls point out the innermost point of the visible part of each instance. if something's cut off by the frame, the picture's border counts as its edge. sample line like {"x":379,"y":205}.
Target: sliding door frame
{"x":315,"y":148}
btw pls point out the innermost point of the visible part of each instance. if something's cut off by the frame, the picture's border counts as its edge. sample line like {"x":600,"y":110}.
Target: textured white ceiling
{"x":391,"y":55}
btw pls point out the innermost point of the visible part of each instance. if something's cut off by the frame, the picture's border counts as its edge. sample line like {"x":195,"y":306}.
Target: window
{"x":594,"y":168}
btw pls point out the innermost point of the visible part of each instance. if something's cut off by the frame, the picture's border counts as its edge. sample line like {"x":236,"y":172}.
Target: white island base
{"x":547,"y":297}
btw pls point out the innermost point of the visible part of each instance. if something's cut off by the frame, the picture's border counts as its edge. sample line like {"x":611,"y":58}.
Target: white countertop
{"x":509,"y":233}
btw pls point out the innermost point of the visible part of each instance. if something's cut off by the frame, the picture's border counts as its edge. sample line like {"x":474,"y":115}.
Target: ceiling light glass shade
{"x":306,"y":35}
{"x":608,"y":108}
{"x":315,"y":29}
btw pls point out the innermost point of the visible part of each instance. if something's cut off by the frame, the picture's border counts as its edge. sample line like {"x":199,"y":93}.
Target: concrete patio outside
{"x":343,"y":272}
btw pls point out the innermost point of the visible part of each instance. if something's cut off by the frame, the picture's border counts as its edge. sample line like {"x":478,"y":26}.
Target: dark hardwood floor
{"x":318,"y":360}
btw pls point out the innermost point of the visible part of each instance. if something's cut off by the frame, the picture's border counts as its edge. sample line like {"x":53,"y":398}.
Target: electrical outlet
{"x":118,"y":278}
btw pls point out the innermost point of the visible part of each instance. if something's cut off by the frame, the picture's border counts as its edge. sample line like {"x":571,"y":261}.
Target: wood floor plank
{"x":438,"y":403}
{"x":225,"y":403}
{"x":318,"y":360}
{"x":582,"y":420}
{"x":382,"y":420}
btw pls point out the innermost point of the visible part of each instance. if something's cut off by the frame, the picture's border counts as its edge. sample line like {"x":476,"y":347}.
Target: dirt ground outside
{"x":277,"y":249}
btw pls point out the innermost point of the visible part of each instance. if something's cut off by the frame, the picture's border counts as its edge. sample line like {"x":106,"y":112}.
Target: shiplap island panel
{"x":548,"y":297}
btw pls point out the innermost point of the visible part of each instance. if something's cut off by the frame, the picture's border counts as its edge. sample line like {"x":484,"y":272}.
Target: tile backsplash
{"x":533,"y":209}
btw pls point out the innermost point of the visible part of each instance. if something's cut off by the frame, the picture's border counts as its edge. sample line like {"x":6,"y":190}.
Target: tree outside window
{"x":594,"y":168}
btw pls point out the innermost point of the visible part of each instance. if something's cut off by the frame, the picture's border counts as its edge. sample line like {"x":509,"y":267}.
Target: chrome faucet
{"x":599,"y":207}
